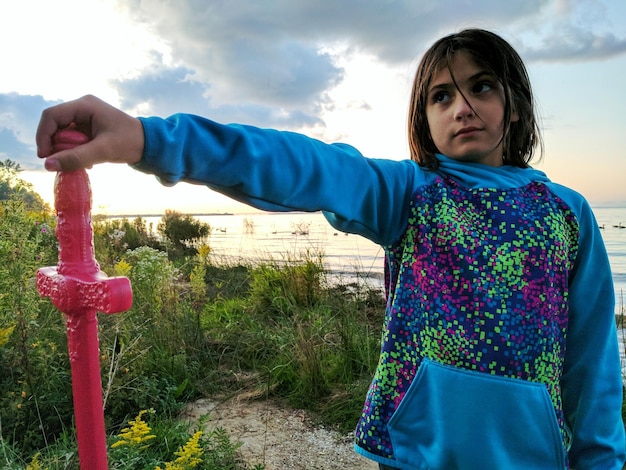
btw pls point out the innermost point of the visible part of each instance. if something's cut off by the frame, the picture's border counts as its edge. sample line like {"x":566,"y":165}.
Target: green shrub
{"x":33,"y":411}
{"x":154,"y":354}
{"x":147,"y":441}
{"x":182,"y":232}
{"x":284,"y":288}
{"x":154,"y":443}
{"x":113,"y":237}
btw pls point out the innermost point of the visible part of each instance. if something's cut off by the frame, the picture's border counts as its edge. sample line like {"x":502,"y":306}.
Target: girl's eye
{"x":441,"y":97}
{"x":482,"y":87}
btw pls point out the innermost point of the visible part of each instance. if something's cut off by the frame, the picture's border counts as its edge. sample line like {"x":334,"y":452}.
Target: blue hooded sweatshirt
{"x":499,"y":347}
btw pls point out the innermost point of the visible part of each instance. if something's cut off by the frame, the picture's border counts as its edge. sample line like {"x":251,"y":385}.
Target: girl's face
{"x":466,"y":123}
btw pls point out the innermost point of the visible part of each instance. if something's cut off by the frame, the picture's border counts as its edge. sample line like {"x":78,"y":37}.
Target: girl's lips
{"x":466,"y":131}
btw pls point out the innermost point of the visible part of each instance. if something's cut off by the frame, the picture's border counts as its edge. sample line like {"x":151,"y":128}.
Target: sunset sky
{"x":337,"y":70}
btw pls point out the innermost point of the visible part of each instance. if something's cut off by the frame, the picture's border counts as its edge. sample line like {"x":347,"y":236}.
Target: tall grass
{"x":309,"y":342}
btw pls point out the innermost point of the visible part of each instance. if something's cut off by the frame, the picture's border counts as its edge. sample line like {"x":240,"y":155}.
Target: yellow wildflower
{"x":122,"y":268}
{"x":5,"y":333}
{"x":34,"y":463}
{"x":203,"y":251}
{"x":189,"y":455}
{"x":136,"y":434}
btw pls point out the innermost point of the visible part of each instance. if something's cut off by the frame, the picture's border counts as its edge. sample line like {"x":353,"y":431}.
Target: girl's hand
{"x":114,"y":136}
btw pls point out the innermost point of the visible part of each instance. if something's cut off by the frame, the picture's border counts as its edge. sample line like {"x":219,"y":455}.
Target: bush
{"x":34,"y":411}
{"x":113,"y":237}
{"x":154,"y":353}
{"x":182,"y":233}
{"x":146,"y":441}
{"x":290,"y":286}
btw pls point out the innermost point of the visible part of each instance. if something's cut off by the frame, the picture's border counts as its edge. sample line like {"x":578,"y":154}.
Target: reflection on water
{"x":610,"y":219}
{"x":289,"y":236}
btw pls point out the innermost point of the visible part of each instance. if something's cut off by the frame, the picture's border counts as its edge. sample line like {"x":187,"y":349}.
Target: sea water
{"x":612,"y":222}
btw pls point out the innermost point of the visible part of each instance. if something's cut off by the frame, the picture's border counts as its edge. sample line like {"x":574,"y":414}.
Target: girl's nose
{"x":462,"y":108}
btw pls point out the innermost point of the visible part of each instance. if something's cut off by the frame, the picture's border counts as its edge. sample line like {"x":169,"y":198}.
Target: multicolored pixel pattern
{"x":478,"y":281}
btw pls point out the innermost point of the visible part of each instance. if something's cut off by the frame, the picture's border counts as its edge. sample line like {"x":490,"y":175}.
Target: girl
{"x":499,"y":347}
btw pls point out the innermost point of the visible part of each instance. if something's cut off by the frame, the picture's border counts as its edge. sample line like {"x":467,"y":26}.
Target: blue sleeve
{"x":282,"y":171}
{"x":592,"y":378}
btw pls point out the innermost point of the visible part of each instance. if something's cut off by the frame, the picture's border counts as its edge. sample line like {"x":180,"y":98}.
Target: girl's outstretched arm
{"x":115,"y":136}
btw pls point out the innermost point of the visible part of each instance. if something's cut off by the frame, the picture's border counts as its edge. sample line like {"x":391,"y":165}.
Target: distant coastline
{"x":201,"y":214}
{"x":143,"y":216}
{"x":609,"y":205}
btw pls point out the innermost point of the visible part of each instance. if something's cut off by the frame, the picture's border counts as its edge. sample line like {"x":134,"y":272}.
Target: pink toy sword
{"x":78,"y":288}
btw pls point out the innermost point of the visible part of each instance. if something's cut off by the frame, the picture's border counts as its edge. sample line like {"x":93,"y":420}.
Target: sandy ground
{"x":279,"y":438}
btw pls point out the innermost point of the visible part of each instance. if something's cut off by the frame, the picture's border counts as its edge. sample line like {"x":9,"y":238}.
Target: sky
{"x":337,"y":70}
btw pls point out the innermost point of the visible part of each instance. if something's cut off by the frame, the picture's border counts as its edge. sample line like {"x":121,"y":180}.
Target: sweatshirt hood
{"x":478,"y":175}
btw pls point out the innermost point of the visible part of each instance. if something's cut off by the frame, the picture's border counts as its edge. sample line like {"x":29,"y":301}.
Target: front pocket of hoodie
{"x":457,"y":419}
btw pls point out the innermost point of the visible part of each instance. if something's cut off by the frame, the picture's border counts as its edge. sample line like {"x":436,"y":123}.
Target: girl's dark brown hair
{"x":496,"y":56}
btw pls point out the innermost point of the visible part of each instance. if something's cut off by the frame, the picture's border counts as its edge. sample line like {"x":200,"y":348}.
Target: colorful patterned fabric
{"x":478,"y":281}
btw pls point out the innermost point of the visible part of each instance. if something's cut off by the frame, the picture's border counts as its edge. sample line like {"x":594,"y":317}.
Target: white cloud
{"x":66,"y":48}
{"x":338,"y":69}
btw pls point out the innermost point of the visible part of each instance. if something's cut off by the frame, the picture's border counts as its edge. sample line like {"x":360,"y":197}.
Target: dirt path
{"x":280,"y":438}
